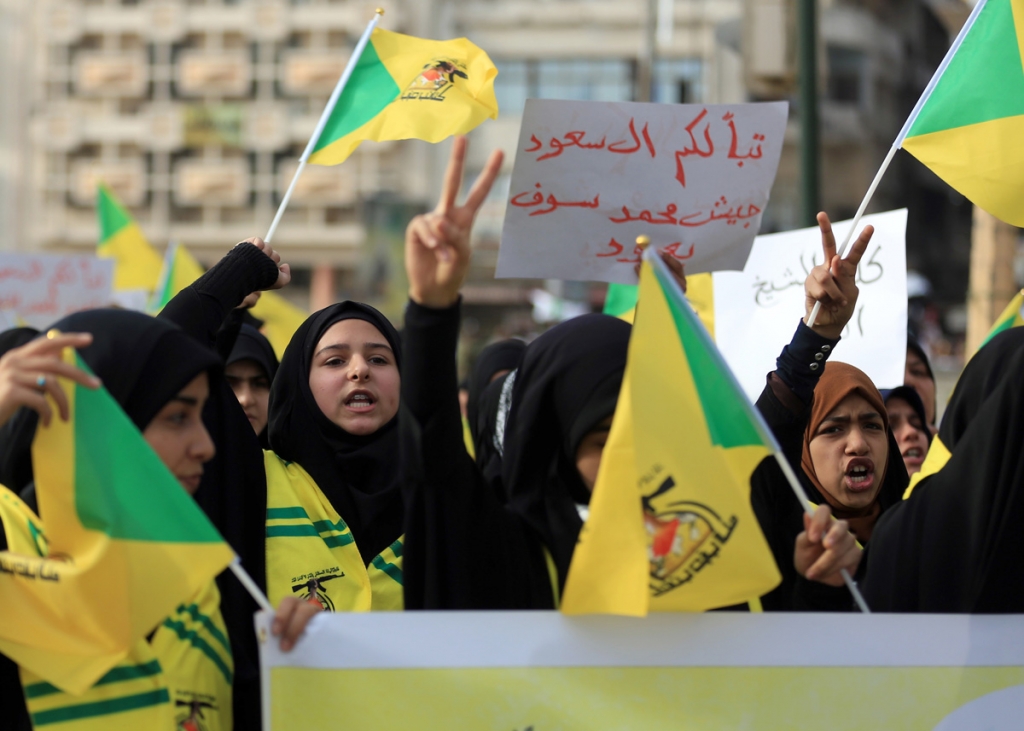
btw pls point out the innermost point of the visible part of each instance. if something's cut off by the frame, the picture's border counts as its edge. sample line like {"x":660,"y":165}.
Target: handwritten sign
{"x":38,"y":289}
{"x":757,"y":310}
{"x":590,"y":177}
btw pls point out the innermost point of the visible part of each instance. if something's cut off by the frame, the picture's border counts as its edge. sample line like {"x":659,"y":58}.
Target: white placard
{"x":38,"y":289}
{"x":590,"y":177}
{"x":757,"y":310}
{"x":728,"y":671}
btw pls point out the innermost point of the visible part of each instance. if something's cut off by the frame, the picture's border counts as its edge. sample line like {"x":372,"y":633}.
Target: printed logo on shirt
{"x":310,"y":587}
{"x":684,"y":538}
{"x":191,"y":715}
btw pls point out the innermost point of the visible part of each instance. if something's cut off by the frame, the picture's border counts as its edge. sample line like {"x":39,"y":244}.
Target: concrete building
{"x":195,"y":112}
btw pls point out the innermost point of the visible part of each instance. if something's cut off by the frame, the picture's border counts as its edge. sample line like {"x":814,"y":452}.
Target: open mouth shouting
{"x":860,"y":474}
{"x":360,"y":401}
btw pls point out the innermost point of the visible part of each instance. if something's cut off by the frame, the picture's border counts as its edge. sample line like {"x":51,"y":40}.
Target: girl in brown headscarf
{"x":830,"y":420}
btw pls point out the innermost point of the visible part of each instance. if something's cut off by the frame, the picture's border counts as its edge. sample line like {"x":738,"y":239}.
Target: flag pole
{"x":764,"y":431}
{"x":250,"y":586}
{"x":335,"y":95}
{"x":925,"y":96}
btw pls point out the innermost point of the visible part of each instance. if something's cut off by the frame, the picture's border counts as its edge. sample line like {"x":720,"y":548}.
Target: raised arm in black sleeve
{"x":463,"y":550}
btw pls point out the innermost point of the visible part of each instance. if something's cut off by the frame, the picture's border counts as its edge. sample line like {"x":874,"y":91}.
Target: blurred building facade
{"x":195,"y":112}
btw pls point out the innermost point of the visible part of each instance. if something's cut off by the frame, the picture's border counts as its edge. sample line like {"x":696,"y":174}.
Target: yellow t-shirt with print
{"x":311,"y":552}
{"x":180,"y":680}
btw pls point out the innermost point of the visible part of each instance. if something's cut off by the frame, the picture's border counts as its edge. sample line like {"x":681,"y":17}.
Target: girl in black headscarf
{"x":465,"y":547}
{"x":334,"y":510}
{"x":335,"y":433}
{"x":918,"y":375}
{"x":495,"y":360}
{"x":160,"y":377}
{"x":956,"y":544}
{"x":249,"y":369}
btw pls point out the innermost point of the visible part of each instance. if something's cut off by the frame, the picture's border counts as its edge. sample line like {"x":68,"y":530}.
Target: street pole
{"x":809,"y":137}
{"x":645,"y":61}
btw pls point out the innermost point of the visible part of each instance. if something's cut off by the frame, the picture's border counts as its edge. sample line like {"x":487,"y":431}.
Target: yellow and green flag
{"x":969,"y":125}
{"x":1012,"y":316}
{"x":127,"y":545}
{"x":671,"y":527}
{"x":621,"y":300}
{"x":136,"y":263}
{"x":179,"y":270}
{"x":404,"y":87}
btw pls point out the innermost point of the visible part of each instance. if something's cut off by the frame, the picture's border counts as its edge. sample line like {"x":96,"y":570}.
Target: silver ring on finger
{"x":41,"y":382}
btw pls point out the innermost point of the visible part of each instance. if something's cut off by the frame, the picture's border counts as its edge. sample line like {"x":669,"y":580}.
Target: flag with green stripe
{"x":127,"y":545}
{"x":404,"y":87}
{"x":136,"y":263}
{"x":970,"y":129}
{"x":671,"y":527}
{"x":1012,"y":316}
{"x":178,"y":271}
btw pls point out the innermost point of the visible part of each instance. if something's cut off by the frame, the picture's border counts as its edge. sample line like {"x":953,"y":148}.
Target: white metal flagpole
{"x":925,"y":96}
{"x":335,"y":95}
{"x":250,"y":586}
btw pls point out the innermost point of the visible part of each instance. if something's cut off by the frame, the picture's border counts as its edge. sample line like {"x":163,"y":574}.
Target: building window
{"x":847,"y":71}
{"x":678,"y":81}
{"x":581,"y":80}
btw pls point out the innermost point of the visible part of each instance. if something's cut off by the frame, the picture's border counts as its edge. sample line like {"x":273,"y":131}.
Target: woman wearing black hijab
{"x":160,"y":377}
{"x":956,"y":544}
{"x":466,"y":548}
{"x":249,"y":369}
{"x":495,"y":360}
{"x":334,"y":510}
{"x":918,"y":375}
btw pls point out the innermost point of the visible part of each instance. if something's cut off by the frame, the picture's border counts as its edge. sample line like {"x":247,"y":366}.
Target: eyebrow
{"x":846,"y":419}
{"x":187,"y":400}
{"x":346,"y":346}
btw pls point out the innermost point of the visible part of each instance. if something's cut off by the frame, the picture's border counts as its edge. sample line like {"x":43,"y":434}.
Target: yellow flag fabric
{"x":1012,"y":316}
{"x":280,"y":320}
{"x":671,"y":527}
{"x":404,"y":87}
{"x":136,"y":263}
{"x":126,"y":545}
{"x":700,"y":291}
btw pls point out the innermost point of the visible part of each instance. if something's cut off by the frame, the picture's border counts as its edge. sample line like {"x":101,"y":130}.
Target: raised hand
{"x":437,"y":247}
{"x":833,"y":283}
{"x":284,"y":275}
{"x":825,"y":548}
{"x":29,"y":373}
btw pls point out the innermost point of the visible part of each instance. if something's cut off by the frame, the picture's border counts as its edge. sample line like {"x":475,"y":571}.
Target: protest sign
{"x":512,"y":671}
{"x":590,"y":177}
{"x":38,"y":289}
{"x":757,"y":310}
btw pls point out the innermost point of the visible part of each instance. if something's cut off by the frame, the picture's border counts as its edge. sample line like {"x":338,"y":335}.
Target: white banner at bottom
{"x":513,"y":671}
